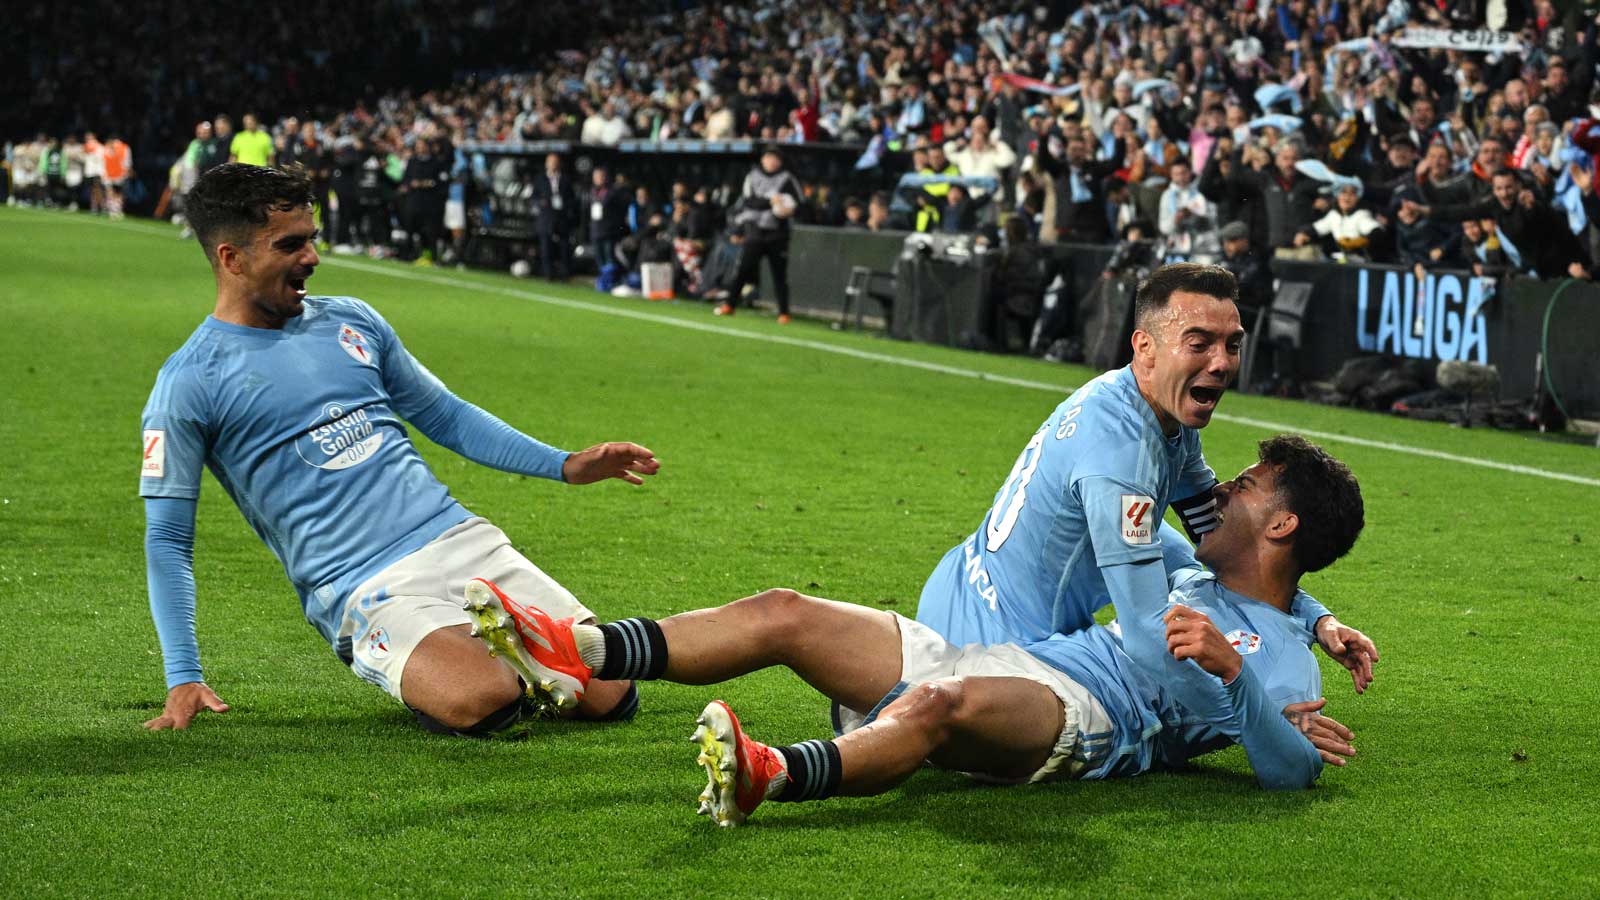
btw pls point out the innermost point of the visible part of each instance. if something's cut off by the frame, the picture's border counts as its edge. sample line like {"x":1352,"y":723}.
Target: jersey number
{"x":1013,"y":494}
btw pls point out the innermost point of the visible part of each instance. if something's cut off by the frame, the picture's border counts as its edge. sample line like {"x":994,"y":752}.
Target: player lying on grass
{"x":1077,"y":523}
{"x":296,"y":404}
{"x":1223,"y":659}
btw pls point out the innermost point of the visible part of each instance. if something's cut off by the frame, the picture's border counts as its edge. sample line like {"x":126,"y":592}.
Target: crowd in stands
{"x":1210,"y":129}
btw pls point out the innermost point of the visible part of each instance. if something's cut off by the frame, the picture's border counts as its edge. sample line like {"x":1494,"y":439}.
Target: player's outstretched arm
{"x":1348,"y":647}
{"x":169,"y":572}
{"x":184,"y":702}
{"x":424,"y":401}
{"x":613,"y":459}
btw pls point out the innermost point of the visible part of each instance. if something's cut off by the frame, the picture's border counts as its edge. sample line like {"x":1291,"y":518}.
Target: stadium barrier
{"x":1452,"y":315}
{"x":1522,"y":326}
{"x":942,"y":298}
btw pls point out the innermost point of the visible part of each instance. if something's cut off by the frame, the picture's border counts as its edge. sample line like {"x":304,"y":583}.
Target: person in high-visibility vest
{"x":253,"y":145}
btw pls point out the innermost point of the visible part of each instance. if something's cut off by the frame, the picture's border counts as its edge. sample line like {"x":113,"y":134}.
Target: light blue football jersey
{"x":1100,"y":461}
{"x":1152,"y":729}
{"x":302,"y":427}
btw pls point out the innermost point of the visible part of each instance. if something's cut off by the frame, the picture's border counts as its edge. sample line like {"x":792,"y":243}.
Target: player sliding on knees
{"x":1222,"y":659}
{"x":295,"y":403}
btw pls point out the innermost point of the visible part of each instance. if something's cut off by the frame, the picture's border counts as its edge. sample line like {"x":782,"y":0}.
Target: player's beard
{"x":286,"y":299}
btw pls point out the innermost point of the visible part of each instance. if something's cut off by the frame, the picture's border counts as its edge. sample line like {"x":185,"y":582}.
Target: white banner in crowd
{"x":1483,"y":41}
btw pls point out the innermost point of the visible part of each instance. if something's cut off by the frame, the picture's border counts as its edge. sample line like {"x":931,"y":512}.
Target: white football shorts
{"x":391,"y":612}
{"x":455,"y":215}
{"x":926,"y":656}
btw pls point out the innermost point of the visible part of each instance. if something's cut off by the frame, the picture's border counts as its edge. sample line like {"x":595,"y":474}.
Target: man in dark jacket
{"x":1254,"y":279}
{"x":424,"y":188}
{"x":556,"y":200}
{"x":768,"y":199}
{"x":214,"y":152}
{"x":1079,"y":186}
{"x":608,"y":216}
{"x":1476,"y":185}
{"x":1283,"y":199}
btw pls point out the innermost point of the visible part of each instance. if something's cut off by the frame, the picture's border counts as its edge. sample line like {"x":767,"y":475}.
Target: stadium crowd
{"x":1211,"y":130}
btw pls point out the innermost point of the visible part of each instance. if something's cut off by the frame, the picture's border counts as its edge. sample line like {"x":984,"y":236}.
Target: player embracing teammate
{"x":1004,"y":674}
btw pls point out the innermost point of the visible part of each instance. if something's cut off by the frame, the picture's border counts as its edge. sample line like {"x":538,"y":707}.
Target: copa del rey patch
{"x":356,"y":344}
{"x":1138,"y":519}
{"x":155,"y":454}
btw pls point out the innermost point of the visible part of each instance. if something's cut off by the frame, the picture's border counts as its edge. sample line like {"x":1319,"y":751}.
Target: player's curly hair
{"x":231,"y":201}
{"x":1322,"y":492}
{"x":1194,"y":278}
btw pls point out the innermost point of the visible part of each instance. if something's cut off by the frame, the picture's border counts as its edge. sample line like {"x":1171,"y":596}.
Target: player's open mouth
{"x":1205,"y":397}
{"x":298,"y":285}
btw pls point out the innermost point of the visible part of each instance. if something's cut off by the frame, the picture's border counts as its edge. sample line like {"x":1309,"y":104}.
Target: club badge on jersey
{"x":1243,"y":641}
{"x":356,"y":344}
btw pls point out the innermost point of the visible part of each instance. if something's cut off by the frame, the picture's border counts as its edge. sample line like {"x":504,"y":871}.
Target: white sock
{"x":591,"y":643}
{"x":779,"y":781}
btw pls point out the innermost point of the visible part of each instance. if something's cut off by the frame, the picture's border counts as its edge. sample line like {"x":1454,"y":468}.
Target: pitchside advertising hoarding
{"x":1439,"y":316}
{"x":1448,"y":315}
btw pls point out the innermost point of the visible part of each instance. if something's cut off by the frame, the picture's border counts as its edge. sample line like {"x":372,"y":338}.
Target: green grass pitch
{"x":784,"y":465}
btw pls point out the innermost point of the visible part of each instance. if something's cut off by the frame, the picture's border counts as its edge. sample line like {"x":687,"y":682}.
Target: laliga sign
{"x":1442,"y":318}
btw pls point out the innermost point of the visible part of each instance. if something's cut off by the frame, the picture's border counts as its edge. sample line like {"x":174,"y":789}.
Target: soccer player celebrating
{"x":296,"y":403}
{"x":1230,"y":663}
{"x":1078,"y":522}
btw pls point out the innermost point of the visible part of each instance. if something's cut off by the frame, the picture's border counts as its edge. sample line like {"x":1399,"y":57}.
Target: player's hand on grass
{"x":184,"y":702}
{"x":1331,"y":738}
{"x":1191,"y":635}
{"x":1350,"y":648}
{"x":613,"y":459}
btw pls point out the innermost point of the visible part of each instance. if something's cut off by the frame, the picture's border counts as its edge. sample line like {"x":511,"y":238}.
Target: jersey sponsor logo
{"x":1138,"y":521}
{"x":378,"y":643}
{"x":356,"y":344}
{"x":1243,"y":641}
{"x":155,"y":454}
{"x":345,"y":440}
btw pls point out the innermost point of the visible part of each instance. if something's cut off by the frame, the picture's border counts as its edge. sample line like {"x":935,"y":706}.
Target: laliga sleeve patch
{"x":1138,"y":519}
{"x":155,"y":454}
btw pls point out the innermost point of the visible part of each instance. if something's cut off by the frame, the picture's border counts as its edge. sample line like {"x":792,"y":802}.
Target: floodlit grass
{"x":784,"y":465}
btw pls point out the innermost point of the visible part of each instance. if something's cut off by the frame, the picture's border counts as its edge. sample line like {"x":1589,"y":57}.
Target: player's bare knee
{"x":782,"y":616}
{"x":780,"y":602}
{"x":932,"y":706}
{"x":780,"y":608}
